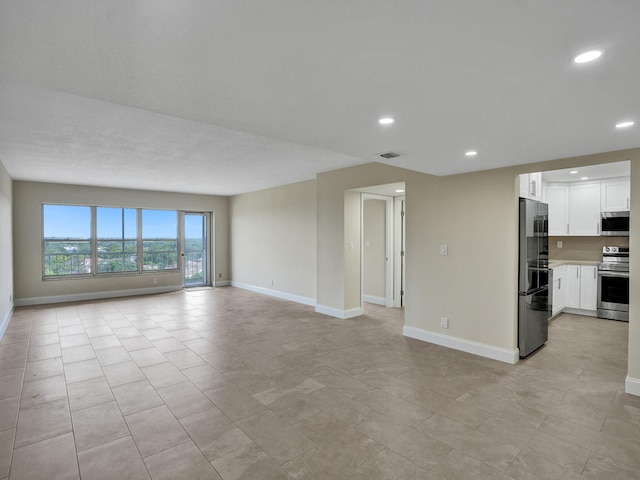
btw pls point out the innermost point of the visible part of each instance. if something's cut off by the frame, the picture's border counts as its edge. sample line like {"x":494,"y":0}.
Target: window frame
{"x":93,"y":242}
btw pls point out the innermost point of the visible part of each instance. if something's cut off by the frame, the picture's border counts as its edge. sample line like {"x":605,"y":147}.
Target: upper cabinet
{"x":584,"y":209}
{"x":574,"y":209}
{"x":558,"y":200}
{"x":615,"y":195}
{"x":531,"y":185}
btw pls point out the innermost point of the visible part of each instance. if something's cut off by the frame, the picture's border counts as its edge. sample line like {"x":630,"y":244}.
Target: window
{"x":160,"y":239}
{"x":67,"y":240}
{"x":89,"y":241}
{"x":117,"y":232}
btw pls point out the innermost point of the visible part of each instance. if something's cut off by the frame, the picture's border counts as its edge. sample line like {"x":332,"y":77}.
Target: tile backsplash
{"x":583,"y":248}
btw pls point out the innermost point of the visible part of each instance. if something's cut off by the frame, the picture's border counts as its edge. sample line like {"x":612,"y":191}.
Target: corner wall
{"x":28,"y":198}
{"x":6,"y":249}
{"x":274,"y":241}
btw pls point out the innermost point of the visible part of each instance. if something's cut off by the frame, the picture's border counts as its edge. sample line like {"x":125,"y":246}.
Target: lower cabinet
{"x":558,"y":295}
{"x":581,"y":287}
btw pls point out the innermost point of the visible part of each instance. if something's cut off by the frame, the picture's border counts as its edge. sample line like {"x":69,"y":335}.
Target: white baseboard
{"x":337,"y":313}
{"x":222,"y":283}
{"x":275,"y":293}
{"x":5,"y":321}
{"x":376,"y":300}
{"x":469,"y":346}
{"x":632,"y":386}
{"x":79,"y":297}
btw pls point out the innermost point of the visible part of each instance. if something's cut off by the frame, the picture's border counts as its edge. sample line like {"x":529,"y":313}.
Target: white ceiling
{"x":230,"y":96}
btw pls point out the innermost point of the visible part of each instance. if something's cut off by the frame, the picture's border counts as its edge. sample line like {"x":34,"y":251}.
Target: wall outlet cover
{"x":444,"y":250}
{"x":444,"y":322}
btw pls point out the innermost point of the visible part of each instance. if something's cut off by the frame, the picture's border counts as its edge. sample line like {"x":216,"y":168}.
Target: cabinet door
{"x":572,"y":277}
{"x":615,"y":195}
{"x":559,"y":289}
{"x":588,"y":287}
{"x":584,"y":209}
{"x":558,"y":200}
{"x":535,"y":185}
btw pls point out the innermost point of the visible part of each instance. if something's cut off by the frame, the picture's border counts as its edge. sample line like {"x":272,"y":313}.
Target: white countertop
{"x":559,"y":263}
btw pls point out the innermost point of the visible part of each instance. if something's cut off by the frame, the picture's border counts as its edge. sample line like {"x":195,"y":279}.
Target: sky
{"x":74,"y":222}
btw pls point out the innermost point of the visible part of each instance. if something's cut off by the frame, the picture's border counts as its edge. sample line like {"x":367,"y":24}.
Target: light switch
{"x":559,"y":243}
{"x":350,"y":244}
{"x":443,"y":250}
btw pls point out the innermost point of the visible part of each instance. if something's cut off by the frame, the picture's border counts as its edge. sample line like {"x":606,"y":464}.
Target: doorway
{"x":196,"y":249}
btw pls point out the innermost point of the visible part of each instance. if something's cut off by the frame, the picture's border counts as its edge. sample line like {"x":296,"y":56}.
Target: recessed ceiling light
{"x":586,"y":57}
{"x":573,"y":172}
{"x":399,"y":191}
{"x":625,"y":124}
{"x":471,"y":153}
{"x":584,"y":178}
{"x":386,"y":121}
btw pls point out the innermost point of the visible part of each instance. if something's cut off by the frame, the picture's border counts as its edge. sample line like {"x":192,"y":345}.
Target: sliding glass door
{"x":196,"y":249}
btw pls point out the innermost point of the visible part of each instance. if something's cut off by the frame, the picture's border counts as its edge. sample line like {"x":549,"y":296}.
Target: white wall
{"x":374,"y":238}
{"x":274,"y":241}
{"x":6,"y":249}
{"x":28,"y":198}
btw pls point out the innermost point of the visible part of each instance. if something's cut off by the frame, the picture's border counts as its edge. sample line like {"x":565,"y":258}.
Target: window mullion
{"x":94,"y":241}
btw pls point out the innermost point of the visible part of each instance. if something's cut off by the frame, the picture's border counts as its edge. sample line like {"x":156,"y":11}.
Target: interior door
{"x":196,"y":250}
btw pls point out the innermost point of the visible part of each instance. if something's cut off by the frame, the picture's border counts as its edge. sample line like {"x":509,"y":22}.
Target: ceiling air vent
{"x":389,"y":155}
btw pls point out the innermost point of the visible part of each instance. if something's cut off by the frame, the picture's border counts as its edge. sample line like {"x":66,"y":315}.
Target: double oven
{"x":613,"y":284}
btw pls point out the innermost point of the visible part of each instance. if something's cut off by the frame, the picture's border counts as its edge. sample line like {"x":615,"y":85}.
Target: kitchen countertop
{"x":559,"y":263}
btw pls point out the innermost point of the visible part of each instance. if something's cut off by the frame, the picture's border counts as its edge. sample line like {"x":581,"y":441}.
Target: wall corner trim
{"x":5,"y":321}
{"x":469,"y":346}
{"x":632,"y":386}
{"x":80,"y":297}
{"x":275,"y":293}
{"x":337,"y":313}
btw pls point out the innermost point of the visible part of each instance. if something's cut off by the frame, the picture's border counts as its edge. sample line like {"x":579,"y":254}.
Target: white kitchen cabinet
{"x":558,"y":298}
{"x":572,"y":292}
{"x":558,"y":200}
{"x":531,"y":185}
{"x":615,"y":195}
{"x":581,"y":287}
{"x":588,"y":287}
{"x":584,"y":209}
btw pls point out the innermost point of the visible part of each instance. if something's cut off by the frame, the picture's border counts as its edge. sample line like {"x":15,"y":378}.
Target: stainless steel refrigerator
{"x":534,"y":277}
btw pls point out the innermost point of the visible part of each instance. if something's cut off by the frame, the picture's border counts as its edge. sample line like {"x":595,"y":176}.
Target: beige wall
{"x":374,"y":247}
{"x":274,"y":239}
{"x":6,"y":248}
{"x":28,"y":198}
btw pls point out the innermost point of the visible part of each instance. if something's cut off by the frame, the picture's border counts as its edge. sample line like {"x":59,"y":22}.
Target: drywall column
{"x":632,"y":384}
{"x":6,"y":249}
{"x":337,"y":277}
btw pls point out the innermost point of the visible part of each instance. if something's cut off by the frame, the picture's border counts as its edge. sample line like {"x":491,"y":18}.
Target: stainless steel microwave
{"x":615,"y":224}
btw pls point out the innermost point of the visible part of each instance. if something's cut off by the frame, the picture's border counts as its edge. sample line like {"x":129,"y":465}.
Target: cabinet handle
{"x":560,"y":283}
{"x":567,"y":229}
{"x":594,"y":273}
{"x":533,"y":188}
{"x":578,"y":272}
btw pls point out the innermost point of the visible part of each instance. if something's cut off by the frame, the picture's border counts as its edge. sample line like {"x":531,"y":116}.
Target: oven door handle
{"x":606,"y":273}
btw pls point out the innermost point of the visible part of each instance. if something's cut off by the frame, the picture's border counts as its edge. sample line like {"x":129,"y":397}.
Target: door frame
{"x":389,"y":246}
{"x":399,"y":251}
{"x":209,"y":264}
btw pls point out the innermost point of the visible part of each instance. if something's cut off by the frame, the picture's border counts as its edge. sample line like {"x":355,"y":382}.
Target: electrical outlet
{"x":444,"y":322}
{"x":220,"y":275}
{"x":559,"y":243}
{"x":444,"y":250}
{"x":155,"y":281}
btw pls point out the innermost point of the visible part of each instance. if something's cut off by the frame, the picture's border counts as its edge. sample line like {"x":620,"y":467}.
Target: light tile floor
{"x":224,"y":383}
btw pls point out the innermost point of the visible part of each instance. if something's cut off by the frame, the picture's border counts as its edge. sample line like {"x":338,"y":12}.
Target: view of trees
{"x":68,"y":249}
